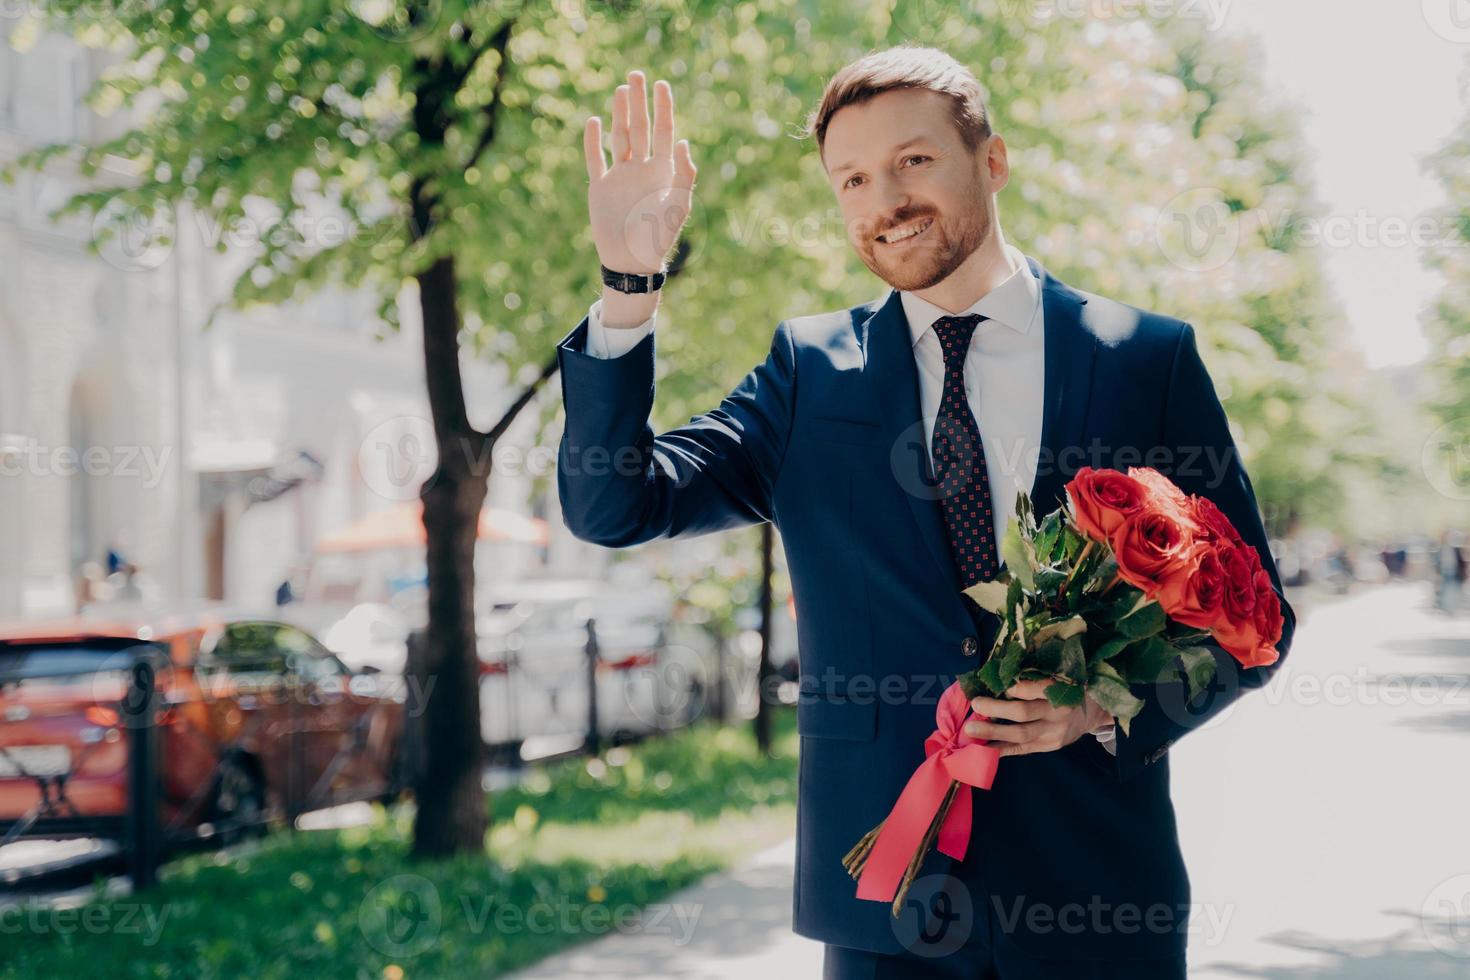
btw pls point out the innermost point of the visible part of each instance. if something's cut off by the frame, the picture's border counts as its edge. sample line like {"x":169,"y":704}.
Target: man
{"x":887,"y":442}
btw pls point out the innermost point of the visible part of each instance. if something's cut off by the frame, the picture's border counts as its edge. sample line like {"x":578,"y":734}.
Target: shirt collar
{"x":1013,"y":302}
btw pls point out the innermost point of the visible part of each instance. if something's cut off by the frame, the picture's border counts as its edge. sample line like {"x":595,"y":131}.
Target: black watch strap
{"x":631,"y":282}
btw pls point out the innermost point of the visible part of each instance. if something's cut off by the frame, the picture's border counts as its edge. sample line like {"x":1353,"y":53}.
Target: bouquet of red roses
{"x":1121,"y":586}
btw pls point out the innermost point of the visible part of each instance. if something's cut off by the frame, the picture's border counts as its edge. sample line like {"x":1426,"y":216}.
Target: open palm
{"x":639,"y":204}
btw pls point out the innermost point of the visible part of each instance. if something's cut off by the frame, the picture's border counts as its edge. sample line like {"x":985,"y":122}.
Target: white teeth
{"x":910,"y":233}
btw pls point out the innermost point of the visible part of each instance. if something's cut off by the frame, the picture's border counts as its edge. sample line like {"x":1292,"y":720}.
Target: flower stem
{"x":924,"y":845}
{"x":1081,"y":560}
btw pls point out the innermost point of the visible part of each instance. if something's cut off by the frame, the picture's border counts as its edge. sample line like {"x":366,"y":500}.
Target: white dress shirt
{"x":1005,"y":379}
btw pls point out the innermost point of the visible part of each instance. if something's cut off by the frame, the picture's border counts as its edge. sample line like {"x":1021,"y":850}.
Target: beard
{"x":947,"y":244}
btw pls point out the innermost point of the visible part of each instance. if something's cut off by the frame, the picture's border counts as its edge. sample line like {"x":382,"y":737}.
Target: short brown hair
{"x":905,"y":66}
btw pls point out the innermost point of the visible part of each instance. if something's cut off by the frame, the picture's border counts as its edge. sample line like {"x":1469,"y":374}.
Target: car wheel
{"x":237,"y":805}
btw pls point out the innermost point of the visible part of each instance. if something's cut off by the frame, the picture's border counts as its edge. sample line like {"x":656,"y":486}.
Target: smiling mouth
{"x":909,"y":235}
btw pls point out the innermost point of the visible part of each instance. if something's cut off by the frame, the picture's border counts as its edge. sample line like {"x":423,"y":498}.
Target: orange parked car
{"x":256,"y":721}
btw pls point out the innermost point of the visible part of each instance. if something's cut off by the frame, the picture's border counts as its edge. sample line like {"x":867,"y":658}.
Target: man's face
{"x":896,"y":163}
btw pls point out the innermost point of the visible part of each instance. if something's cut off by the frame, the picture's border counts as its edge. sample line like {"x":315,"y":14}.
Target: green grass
{"x":572,"y":854}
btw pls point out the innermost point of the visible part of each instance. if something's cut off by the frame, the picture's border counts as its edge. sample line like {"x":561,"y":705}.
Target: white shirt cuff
{"x":1107,"y":738}
{"x":607,"y":344}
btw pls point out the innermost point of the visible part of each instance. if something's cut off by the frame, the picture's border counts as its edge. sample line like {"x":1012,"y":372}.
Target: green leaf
{"x":1145,"y":620}
{"x":1010,"y":664}
{"x":1014,"y":593}
{"x":1127,"y":599}
{"x":1108,"y":650}
{"x":989,"y":675}
{"x":1101,"y":574}
{"x":1064,"y":695}
{"x":1026,"y":514}
{"x":971,"y":683}
{"x":1060,"y":628}
{"x":1187,"y":636}
{"x":1116,"y":699}
{"x":1049,"y":579}
{"x":1048,"y":535}
{"x":1072,"y":544}
{"x":991,"y":595}
{"x":1151,"y":660}
{"x":1074,"y":660}
{"x":1017,"y":556}
{"x":1048,"y":656}
{"x":1199,"y":668}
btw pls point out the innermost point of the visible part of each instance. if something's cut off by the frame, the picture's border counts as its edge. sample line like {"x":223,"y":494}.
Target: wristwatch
{"x":632,"y":282}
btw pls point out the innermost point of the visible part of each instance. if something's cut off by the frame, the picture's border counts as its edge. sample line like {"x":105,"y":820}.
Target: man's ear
{"x":996,"y":162}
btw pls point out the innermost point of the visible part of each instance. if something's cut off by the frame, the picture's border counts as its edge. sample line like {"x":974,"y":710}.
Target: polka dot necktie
{"x":962,"y":482}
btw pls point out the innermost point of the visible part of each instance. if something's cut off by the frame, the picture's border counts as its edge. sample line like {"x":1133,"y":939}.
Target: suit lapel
{"x":1070,"y":352}
{"x":890,"y":363}
{"x":1069,"y":355}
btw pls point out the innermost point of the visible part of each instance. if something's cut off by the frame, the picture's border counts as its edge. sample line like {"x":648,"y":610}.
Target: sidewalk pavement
{"x":730,"y":926}
{"x":1323,"y":822}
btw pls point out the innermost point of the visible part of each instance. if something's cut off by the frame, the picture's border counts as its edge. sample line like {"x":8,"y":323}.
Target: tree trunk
{"x":451,"y":815}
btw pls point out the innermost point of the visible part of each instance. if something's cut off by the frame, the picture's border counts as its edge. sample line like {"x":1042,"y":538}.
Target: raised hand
{"x":641,"y":202}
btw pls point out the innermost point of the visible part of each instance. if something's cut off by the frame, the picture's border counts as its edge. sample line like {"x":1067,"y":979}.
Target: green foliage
{"x":1448,"y":321}
{"x":1145,"y":620}
{"x":263,"y":116}
{"x":588,"y":841}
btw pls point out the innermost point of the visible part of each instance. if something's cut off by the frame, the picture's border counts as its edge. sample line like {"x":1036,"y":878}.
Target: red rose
{"x":1239,"y":565}
{"x":1151,"y":547}
{"x":1240,"y":640}
{"x":1195,"y":593}
{"x":1163,"y":492}
{"x":1213,"y":524}
{"x":1268,"y":619}
{"x":1250,"y":639}
{"x":1102,"y":500}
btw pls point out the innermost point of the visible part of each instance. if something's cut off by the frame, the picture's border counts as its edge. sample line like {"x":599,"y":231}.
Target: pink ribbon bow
{"x":950,"y":755}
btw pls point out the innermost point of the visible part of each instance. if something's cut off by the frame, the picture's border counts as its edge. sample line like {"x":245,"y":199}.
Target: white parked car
{"x":652,"y":674}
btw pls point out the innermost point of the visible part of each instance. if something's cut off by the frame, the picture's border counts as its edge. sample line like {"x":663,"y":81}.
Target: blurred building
{"x":210,"y":459}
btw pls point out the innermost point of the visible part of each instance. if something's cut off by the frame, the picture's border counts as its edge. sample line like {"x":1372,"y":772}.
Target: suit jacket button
{"x":969,"y":646}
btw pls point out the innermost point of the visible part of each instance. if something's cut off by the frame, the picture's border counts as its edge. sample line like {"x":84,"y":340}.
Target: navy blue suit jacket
{"x":1076,"y":849}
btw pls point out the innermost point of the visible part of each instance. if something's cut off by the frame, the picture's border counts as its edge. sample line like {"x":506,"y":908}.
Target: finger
{"x":592,"y":148}
{"x":1028,"y":690}
{"x":663,"y":120}
{"x":1032,"y":747}
{"x":684,"y":169}
{"x":683,"y":190}
{"x":620,"y":125}
{"x":1016,"y":734}
{"x":1013,"y":710}
{"x":638,"y":115}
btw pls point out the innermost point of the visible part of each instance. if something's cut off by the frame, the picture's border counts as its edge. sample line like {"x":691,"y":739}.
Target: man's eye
{"x":915,"y":156}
